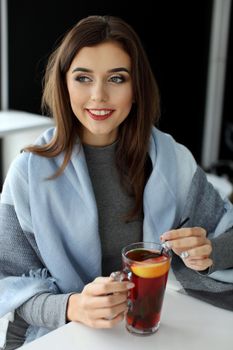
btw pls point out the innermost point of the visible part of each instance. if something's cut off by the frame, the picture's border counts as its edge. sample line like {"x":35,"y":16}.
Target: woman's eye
{"x":117,"y":79}
{"x":83,"y":79}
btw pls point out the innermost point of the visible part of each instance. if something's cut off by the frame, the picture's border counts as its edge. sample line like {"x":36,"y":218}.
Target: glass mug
{"x":147,"y":266}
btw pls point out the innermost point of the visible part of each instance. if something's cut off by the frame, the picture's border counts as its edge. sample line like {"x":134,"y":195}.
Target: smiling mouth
{"x":100,"y":114}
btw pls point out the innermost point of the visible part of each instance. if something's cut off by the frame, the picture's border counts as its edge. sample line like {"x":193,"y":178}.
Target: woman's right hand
{"x":101,"y":304}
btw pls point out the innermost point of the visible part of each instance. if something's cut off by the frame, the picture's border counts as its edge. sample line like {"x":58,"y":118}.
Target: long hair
{"x":134,"y":132}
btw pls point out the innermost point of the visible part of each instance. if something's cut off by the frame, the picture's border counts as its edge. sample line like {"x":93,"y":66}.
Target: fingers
{"x":105,"y":285}
{"x":184,"y":232}
{"x":191,"y":245}
{"x":102,"y":303}
{"x":187,"y":243}
{"x":107,"y":301}
{"x":198,"y":264}
{"x":198,"y":258}
{"x":106,"y":323}
{"x":185,"y":238}
{"x":198,"y":252}
{"x":110,"y":313}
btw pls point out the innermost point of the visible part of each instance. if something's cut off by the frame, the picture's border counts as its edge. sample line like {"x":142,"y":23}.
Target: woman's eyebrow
{"x":113,"y":70}
{"x":120,"y":69}
{"x":81,"y":69}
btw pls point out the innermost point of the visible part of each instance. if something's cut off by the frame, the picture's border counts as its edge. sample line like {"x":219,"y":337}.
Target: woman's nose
{"x":99,"y":93}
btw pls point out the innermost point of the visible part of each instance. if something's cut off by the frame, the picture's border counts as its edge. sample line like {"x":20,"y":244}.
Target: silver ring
{"x":184,"y":255}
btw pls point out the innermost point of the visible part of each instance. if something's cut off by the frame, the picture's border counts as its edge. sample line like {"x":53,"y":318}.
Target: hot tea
{"x":148,"y":271}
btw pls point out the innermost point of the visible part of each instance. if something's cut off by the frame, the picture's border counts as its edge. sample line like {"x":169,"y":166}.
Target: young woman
{"x":104,"y":177}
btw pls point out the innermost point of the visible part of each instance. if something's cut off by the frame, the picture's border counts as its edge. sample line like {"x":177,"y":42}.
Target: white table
{"x":186,"y":324}
{"x":17,"y":129}
{"x":18,"y":121}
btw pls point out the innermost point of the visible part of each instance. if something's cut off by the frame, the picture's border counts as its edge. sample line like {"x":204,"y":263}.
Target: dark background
{"x":226,"y":146}
{"x":175,"y":36}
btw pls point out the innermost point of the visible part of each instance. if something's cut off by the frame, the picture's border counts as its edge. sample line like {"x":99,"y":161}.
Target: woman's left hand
{"x":191,"y":245}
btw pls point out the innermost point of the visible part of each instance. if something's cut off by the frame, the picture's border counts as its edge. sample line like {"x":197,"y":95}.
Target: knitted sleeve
{"x":207,"y":209}
{"x":19,"y":254}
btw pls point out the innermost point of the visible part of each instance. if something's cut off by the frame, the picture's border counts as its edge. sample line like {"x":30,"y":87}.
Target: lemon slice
{"x":150,"y":270}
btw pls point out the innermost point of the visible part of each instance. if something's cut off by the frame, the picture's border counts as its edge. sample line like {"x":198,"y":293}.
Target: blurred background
{"x":189,"y":45}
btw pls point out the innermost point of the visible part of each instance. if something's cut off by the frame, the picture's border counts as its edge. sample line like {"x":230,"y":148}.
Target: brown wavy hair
{"x":134,"y":132}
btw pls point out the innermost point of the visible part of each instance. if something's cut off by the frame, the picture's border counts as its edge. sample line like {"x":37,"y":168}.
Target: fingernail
{"x":130,"y":285}
{"x":116,"y":276}
{"x":163,"y":236}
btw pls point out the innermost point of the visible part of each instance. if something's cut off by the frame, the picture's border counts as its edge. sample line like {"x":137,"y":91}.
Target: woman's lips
{"x":100,"y":114}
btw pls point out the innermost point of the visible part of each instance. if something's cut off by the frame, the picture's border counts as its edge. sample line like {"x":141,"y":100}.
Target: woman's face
{"x":100,"y":89}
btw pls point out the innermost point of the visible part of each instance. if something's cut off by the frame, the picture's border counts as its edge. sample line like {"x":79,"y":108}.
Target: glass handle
{"x":120,"y":276}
